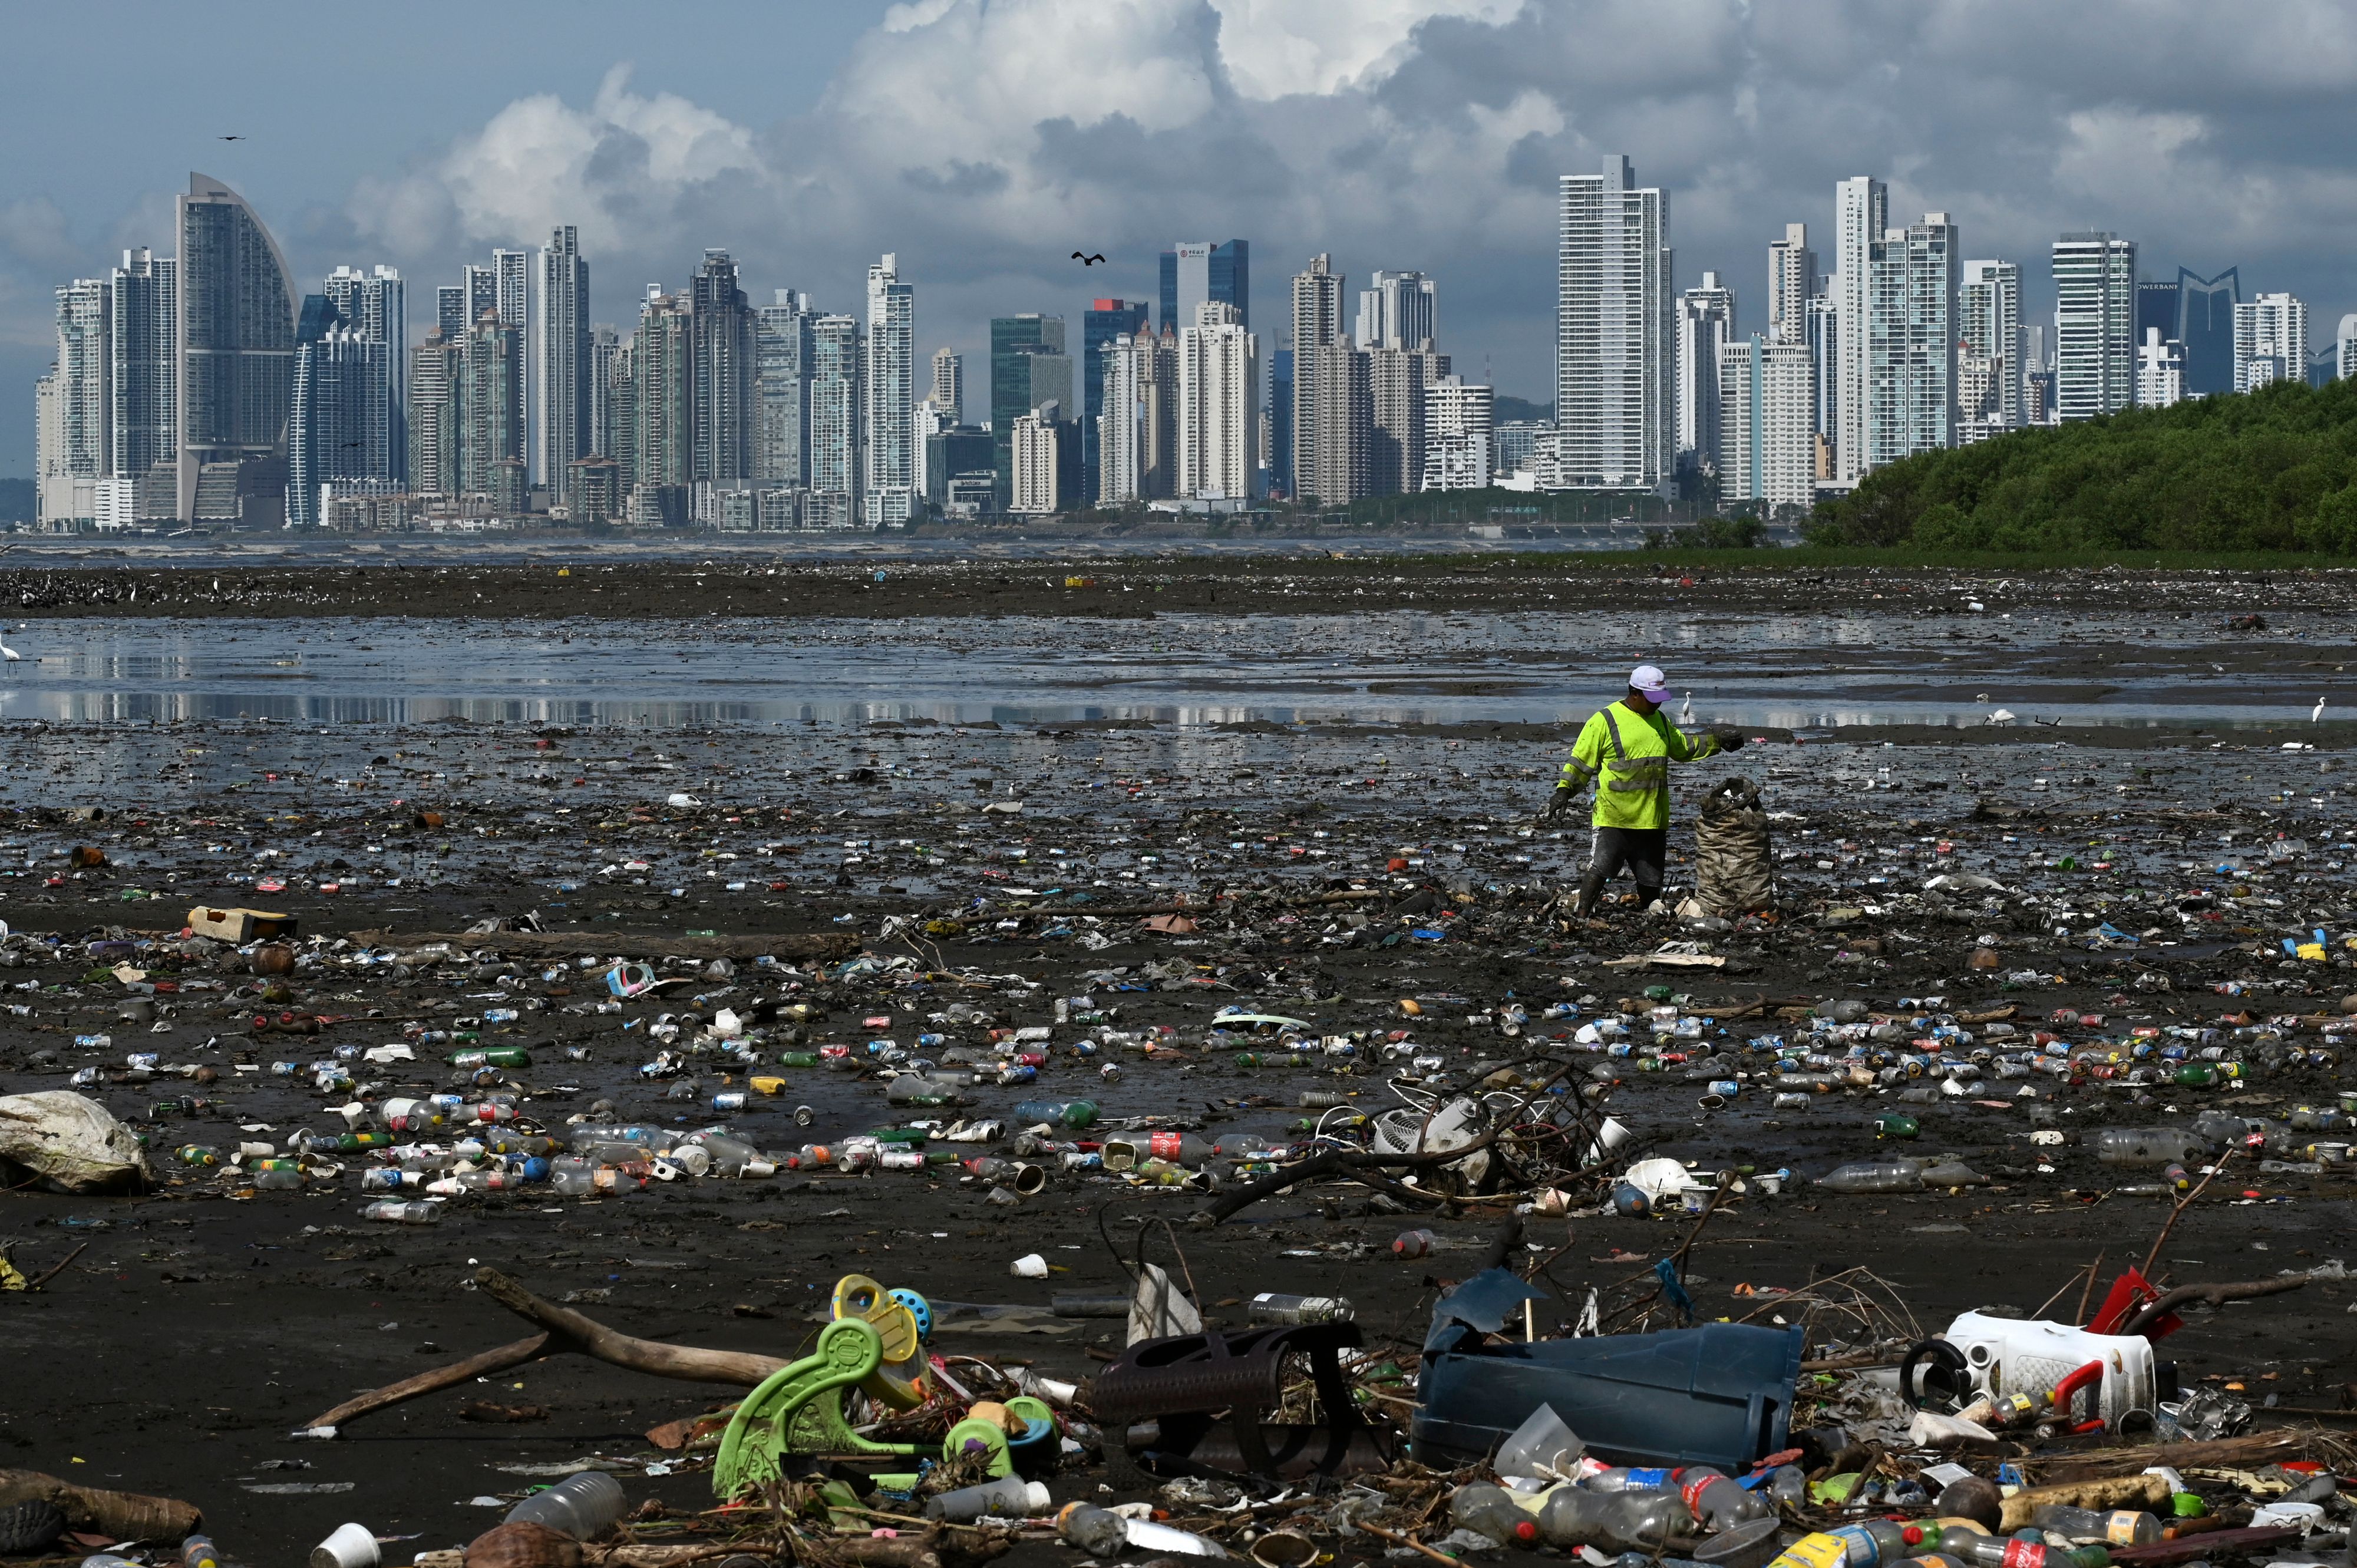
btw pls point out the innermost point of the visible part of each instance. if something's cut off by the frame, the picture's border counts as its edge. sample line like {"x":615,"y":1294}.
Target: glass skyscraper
{"x":1105,"y":320}
{"x":236,"y":352}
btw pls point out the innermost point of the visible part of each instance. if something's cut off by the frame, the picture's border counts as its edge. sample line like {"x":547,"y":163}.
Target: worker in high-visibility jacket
{"x":1625,"y":751}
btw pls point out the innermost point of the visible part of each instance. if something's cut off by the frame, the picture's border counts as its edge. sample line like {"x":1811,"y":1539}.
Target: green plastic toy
{"x":799,"y":1409}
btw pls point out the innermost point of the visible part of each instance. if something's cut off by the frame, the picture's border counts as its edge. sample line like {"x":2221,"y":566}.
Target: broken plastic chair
{"x":799,"y":1409}
{"x":900,"y":1379}
{"x":1180,"y":1384}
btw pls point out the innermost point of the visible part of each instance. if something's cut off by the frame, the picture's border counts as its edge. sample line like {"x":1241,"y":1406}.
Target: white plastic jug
{"x":2020,"y":1356}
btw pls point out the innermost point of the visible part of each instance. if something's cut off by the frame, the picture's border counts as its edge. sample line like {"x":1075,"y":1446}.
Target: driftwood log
{"x":123,"y":1516}
{"x":627,"y":944}
{"x":562,"y":1330}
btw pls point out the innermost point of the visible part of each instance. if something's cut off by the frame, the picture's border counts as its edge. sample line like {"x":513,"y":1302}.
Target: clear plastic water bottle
{"x":1276,"y":1306}
{"x":419,"y":1212}
{"x":583,"y":1507}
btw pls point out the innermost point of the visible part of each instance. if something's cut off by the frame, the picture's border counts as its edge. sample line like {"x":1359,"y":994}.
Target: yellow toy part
{"x":902,"y":1380}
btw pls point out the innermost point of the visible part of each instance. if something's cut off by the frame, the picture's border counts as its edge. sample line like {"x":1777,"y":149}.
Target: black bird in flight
{"x":228,"y":138}
{"x":1088,"y":261}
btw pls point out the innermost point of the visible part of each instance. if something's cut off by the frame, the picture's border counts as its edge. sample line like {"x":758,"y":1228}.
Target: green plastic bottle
{"x":492,"y":1055}
{"x":2197,"y":1075}
{"x":1893,"y":1124}
{"x":798,"y":1058}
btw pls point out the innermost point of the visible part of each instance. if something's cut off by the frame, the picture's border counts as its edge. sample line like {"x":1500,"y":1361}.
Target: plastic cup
{"x":351,"y":1546}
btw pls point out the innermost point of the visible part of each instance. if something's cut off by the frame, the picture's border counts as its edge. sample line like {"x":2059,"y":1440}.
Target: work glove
{"x":1556,"y":805}
{"x":1728,"y":740}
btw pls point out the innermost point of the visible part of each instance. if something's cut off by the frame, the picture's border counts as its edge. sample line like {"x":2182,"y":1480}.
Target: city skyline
{"x":983,"y":202}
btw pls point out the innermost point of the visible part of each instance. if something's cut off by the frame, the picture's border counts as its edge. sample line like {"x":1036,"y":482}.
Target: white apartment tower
{"x":1911,"y":345}
{"x":1767,"y":417}
{"x":2270,"y":341}
{"x":1219,"y":406}
{"x":2095,"y":325}
{"x":511,"y":284}
{"x":1705,"y":325}
{"x":948,"y":384}
{"x":1988,"y":328}
{"x":1791,"y":280}
{"x":891,"y":471}
{"x":1861,"y":211}
{"x":1035,"y":441}
{"x":1614,"y":373}
{"x":1459,"y":424}
{"x":1128,"y":363}
{"x":2160,"y":371}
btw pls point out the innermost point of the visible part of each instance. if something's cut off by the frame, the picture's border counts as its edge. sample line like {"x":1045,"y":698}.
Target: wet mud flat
{"x":741,"y":582}
{"x":204,"y":1322}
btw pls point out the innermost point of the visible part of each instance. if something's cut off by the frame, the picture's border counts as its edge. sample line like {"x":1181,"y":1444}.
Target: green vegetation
{"x":2275,"y":470}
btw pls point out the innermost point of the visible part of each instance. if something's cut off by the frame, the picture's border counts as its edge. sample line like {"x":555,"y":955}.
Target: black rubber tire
{"x":27,"y":1528}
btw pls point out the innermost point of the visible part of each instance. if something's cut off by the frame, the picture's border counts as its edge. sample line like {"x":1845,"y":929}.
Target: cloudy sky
{"x":984,"y":140}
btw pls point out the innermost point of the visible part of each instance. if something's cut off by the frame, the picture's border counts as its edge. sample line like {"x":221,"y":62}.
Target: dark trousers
{"x":1644,"y":851}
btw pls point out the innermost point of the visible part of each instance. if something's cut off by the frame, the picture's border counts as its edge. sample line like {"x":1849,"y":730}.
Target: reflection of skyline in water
{"x":1413,"y":668}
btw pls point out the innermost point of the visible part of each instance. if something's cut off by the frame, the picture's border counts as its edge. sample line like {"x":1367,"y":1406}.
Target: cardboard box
{"x":239,"y":925}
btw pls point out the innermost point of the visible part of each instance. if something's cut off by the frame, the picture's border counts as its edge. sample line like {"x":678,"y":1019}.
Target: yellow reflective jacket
{"x":1627,"y":754}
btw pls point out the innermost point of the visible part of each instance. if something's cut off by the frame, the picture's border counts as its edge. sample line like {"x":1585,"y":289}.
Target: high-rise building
{"x":85,"y":376}
{"x":490,"y":413}
{"x":142,"y":427}
{"x":482,"y":289}
{"x":721,"y":382}
{"x":1035,"y":443}
{"x":836,"y":403}
{"x":1396,"y":383}
{"x":1105,"y":323}
{"x":889,"y":479}
{"x":450,"y":310}
{"x":2270,"y":342}
{"x":663,"y":446}
{"x":1861,"y":211}
{"x":1317,"y":321}
{"x":1157,"y":413}
{"x":1280,"y":421}
{"x":604,"y":344}
{"x":2205,"y":326}
{"x":511,"y":293}
{"x":376,"y":306}
{"x":2095,"y":325}
{"x":564,"y":423}
{"x":2157,"y":304}
{"x":435,"y":368}
{"x":236,"y":352}
{"x":1911,"y":355}
{"x":2344,"y":349}
{"x":1342,"y":422}
{"x":1988,"y":328}
{"x":1458,"y":427}
{"x":1706,"y":324}
{"x":1219,"y":406}
{"x":1823,"y":318}
{"x":948,"y":384}
{"x":782,"y":369}
{"x":1028,"y":367}
{"x":1195,"y":270}
{"x":1127,"y":361}
{"x":1397,"y":310}
{"x":1614,"y":373}
{"x":2160,"y":371}
{"x":1791,"y":282}
{"x":1766,"y":421}
{"x":341,"y":419}
{"x":623,"y":416}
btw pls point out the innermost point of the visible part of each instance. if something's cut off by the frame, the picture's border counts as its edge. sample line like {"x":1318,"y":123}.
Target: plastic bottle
{"x":1716,"y":1500}
{"x":1493,"y":1511}
{"x":2112,"y":1527}
{"x":1274,"y":1306}
{"x":1875,"y":1175}
{"x":1056,"y":1112}
{"x":732,"y":1157}
{"x":418,"y":1212}
{"x":1009,"y":1497}
{"x":1100,"y":1532}
{"x":196,"y":1551}
{"x":490,"y":1056}
{"x":1893,"y":1124}
{"x":1614,"y":1522}
{"x":2147,"y":1146}
{"x":2004,"y":1552}
{"x":583,"y":1507}
{"x":1412,"y":1244}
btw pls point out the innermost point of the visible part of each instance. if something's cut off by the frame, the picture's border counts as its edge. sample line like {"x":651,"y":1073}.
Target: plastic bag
{"x":1734,"y":874}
